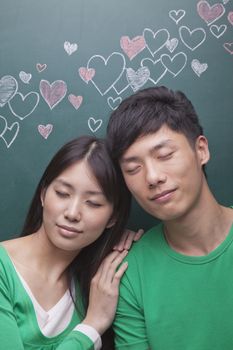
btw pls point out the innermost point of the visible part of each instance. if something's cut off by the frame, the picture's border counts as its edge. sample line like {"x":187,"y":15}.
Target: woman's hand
{"x":104,"y":292}
{"x":127,"y":239}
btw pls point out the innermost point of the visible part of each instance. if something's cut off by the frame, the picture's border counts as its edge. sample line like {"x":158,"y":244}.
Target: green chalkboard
{"x":65,"y":65}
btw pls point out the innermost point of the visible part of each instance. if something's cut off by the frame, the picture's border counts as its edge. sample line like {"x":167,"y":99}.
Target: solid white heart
{"x":94,"y":124}
{"x":114,"y":102}
{"x":25,"y":104}
{"x":137,"y":79}
{"x":8,"y":89}
{"x":70,"y":48}
{"x":172,"y":44}
{"x":25,"y":77}
{"x":198,"y":67}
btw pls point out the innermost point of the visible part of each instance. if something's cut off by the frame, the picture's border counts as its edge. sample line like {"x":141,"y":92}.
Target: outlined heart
{"x":218,"y":31}
{"x":24,"y":104}
{"x":198,"y":67}
{"x":76,"y":101}
{"x":114,"y":103}
{"x":9,"y":133}
{"x":174,"y":64}
{"x":192,"y":38}
{"x":228,"y":47}
{"x":70,"y":48}
{"x":41,"y":66}
{"x":45,"y":130}
{"x":25,"y":77}
{"x":108,"y":71}
{"x":176,"y":15}
{"x":8,"y":89}
{"x":53,"y":93}
{"x":86,"y":74}
{"x":155,"y":41}
{"x":132,"y":47}
{"x":156,"y":68}
{"x":137,"y":79}
{"x":208,"y":13}
{"x":94,"y":124}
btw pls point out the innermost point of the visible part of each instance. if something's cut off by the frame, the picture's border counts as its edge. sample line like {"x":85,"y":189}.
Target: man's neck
{"x":201,"y":230}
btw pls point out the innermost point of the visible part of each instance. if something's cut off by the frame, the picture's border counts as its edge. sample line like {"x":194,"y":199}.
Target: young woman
{"x":59,"y":281}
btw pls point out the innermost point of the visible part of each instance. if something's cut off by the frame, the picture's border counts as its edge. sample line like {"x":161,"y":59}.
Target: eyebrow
{"x":125,"y":160}
{"x":67,"y":184}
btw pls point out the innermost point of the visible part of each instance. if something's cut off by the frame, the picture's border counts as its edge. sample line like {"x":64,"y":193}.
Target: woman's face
{"x":75,"y":210}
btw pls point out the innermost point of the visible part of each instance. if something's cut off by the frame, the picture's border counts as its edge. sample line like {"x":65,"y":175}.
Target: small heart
{"x":172,"y":44}
{"x":70,"y":48}
{"x":176,"y":16}
{"x":230,"y":17}
{"x":198,"y":67}
{"x":228,"y":47}
{"x":40,"y":67}
{"x":137,"y":79}
{"x":22,"y":106}
{"x":8,"y":89}
{"x":210,"y":13}
{"x":94,"y":124}
{"x":45,"y":130}
{"x":53,"y":93}
{"x":86,"y":73}
{"x":9,"y":133}
{"x":218,"y":31}
{"x":76,"y":101}
{"x":132,"y":47}
{"x":25,"y":77}
{"x":114,"y":103}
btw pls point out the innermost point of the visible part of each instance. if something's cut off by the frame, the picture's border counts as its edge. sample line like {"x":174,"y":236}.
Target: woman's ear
{"x":111,"y":222}
{"x":42,"y":196}
{"x":202,"y":149}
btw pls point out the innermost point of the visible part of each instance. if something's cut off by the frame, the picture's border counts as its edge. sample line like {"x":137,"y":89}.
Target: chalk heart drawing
{"x":53,"y":93}
{"x":218,"y":31}
{"x":132,"y":47}
{"x":176,"y":15}
{"x":155,"y":41}
{"x":76,"y":101}
{"x":156,"y":68}
{"x":94,"y":124}
{"x":198,"y":67}
{"x":86,"y":73}
{"x":114,"y":102}
{"x":41,"y":66}
{"x":210,"y":14}
{"x":192,"y":38}
{"x":25,"y":77}
{"x":107,"y":71}
{"x":8,"y":133}
{"x":172,"y":44}
{"x":8,"y":89}
{"x":70,"y":48}
{"x":22,"y":106}
{"x":45,"y":130}
{"x":228,"y":47}
{"x":230,"y":17}
{"x":137,"y":79}
{"x":174,"y":64}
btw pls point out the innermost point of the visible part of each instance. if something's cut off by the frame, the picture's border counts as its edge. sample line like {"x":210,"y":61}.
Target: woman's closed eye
{"x":94,"y":204}
{"x":62,"y":194}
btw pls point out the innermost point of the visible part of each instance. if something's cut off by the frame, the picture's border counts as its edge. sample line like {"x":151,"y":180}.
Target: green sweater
{"x":169,"y":301}
{"x":19,"y":329}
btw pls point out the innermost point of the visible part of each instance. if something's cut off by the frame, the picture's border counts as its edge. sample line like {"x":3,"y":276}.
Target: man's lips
{"x":161,"y":195}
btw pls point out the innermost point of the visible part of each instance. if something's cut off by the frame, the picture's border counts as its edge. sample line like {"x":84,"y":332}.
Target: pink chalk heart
{"x":76,"y":101}
{"x":53,"y":93}
{"x":86,"y":73}
{"x":45,"y":130}
{"x":40,"y":67}
{"x":210,"y":13}
{"x":228,"y":47}
{"x":132,"y":47}
{"x":230,"y":17}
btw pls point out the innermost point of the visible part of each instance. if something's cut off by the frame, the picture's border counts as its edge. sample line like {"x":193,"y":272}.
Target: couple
{"x":59,"y":282}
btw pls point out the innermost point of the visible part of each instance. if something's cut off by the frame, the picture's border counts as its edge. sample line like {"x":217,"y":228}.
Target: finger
{"x":106,"y":261}
{"x":138,"y":234}
{"x":120,"y":246}
{"x":118,"y":275}
{"x":110,"y":267}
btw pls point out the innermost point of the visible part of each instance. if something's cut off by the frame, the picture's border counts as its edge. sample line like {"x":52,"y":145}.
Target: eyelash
{"x":62,"y":194}
{"x":166,"y":156}
{"x":93,"y":204}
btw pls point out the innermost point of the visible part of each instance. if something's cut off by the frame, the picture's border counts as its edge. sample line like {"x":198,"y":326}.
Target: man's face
{"x":164,"y":173}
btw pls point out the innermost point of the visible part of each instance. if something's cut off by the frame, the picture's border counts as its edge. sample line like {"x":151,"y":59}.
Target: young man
{"x":177,"y":293}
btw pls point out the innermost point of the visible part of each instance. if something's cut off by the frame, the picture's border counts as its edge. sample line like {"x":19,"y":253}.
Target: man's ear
{"x":202,"y":149}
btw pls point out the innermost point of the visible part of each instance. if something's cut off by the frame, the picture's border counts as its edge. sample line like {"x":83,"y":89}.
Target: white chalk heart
{"x":45,"y":130}
{"x":198,"y":67}
{"x":25,"y":77}
{"x":70,"y":48}
{"x":94,"y":124}
{"x":114,"y":103}
{"x":8,"y":89}
{"x":137,"y":79}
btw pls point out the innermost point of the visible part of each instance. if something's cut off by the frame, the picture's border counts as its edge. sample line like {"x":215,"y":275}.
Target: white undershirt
{"x":56,"y":320}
